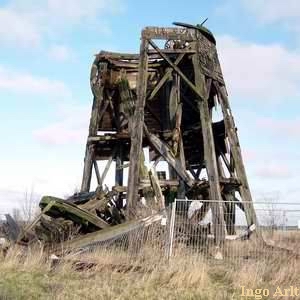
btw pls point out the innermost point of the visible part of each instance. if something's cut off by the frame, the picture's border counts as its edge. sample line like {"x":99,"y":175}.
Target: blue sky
{"x":47,"y":48}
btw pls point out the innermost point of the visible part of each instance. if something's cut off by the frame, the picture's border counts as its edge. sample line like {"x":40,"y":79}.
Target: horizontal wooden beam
{"x":135,"y":57}
{"x":169,"y":33}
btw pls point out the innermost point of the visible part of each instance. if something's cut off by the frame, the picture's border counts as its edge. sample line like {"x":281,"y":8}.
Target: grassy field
{"x":114,"y":275}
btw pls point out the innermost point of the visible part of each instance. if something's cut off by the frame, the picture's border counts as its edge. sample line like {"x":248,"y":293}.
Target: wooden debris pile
{"x":80,"y":214}
{"x":89,"y":218}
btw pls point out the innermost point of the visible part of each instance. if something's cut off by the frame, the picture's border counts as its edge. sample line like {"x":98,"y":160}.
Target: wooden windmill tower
{"x":163,"y":98}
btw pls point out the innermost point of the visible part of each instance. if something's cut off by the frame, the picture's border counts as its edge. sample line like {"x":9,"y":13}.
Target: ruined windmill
{"x":163,"y":99}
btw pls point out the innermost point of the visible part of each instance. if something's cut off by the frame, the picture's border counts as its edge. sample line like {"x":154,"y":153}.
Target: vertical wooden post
{"x":137,"y":131}
{"x":229,"y":205}
{"x":209,"y":153}
{"x":87,"y":170}
{"x":93,"y":129}
{"x":175,"y":113}
{"x":119,"y":169}
{"x":88,"y":159}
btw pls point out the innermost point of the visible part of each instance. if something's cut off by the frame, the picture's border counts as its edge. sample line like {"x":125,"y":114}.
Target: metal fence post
{"x":171,"y":229}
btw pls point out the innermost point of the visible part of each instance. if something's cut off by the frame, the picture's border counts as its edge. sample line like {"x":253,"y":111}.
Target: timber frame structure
{"x":163,"y":99}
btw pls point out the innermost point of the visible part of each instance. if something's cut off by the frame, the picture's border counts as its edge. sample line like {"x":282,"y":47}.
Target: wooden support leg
{"x":137,"y":132}
{"x":88,"y":168}
{"x":229,"y":205}
{"x":96,"y":168}
{"x":107,"y":167}
{"x":230,"y":215}
{"x":94,"y":122}
{"x":119,"y":169}
{"x":236,"y":155}
{"x":209,"y":154}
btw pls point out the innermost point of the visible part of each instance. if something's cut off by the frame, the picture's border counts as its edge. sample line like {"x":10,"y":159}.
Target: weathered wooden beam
{"x":29,"y":227}
{"x":146,"y":183}
{"x":177,"y":138}
{"x":165,"y":151}
{"x":157,"y":190}
{"x":210,"y":154}
{"x":88,"y":168}
{"x":110,"y":233}
{"x":71,"y":212}
{"x":177,"y":70}
{"x":96,"y":168}
{"x":107,"y":167}
{"x":171,"y":33}
{"x":226,"y":161}
{"x":164,"y":78}
{"x":230,"y":214}
{"x":97,"y":86}
{"x":229,"y":203}
{"x":137,"y":131}
{"x":103,"y":110}
{"x":236,"y":154}
{"x":119,"y":163}
{"x":135,"y":57}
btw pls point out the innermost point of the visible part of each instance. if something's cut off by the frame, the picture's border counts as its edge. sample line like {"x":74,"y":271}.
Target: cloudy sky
{"x":47,"y":47}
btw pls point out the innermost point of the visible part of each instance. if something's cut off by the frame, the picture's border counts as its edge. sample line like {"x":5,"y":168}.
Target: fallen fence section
{"x":192,"y":231}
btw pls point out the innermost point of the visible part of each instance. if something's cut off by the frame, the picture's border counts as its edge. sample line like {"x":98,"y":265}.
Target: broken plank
{"x":111,"y":233}
{"x":165,"y":151}
{"x":72,"y":212}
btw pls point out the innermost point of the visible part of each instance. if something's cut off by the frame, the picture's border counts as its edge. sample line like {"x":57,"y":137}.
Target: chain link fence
{"x":192,"y":231}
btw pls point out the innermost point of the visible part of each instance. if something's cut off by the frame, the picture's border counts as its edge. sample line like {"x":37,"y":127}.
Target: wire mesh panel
{"x":132,"y":240}
{"x":193,"y":231}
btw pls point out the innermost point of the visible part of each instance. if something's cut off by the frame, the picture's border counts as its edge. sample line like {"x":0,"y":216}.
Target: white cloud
{"x":71,"y":128}
{"x":56,"y":175}
{"x":11,"y":80}
{"x":274,"y":171}
{"x":287,"y":128}
{"x":61,"y":53}
{"x":28,"y":22}
{"x":259,"y":72}
{"x":17,"y":29}
{"x":271,"y":11}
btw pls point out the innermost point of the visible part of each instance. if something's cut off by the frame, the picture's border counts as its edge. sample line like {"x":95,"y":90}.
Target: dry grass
{"x":147,"y":275}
